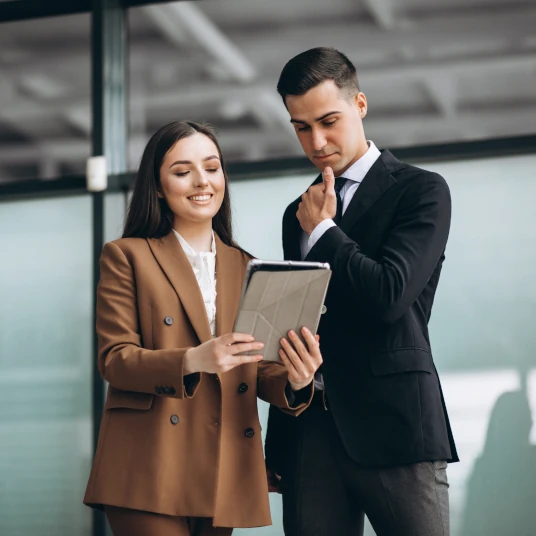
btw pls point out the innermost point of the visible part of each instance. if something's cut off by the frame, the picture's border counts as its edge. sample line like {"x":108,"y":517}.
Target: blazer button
{"x":174,"y":419}
{"x":169,"y":390}
{"x":243,"y":387}
{"x":168,"y":320}
{"x":158,"y":390}
{"x":249,"y":432}
{"x":323,"y":310}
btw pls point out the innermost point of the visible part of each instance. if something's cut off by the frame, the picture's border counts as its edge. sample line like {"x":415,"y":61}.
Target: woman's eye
{"x":213,"y":170}
{"x":181,"y":173}
{"x":330,"y":123}
{"x":302,"y":129}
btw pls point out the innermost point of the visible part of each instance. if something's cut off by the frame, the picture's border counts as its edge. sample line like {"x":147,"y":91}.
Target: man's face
{"x":328,"y":125}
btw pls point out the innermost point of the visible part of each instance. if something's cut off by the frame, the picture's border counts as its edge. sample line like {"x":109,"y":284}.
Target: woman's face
{"x":192,"y":180}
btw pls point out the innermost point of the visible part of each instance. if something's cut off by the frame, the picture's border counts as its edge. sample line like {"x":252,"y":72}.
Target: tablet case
{"x":279,"y":297}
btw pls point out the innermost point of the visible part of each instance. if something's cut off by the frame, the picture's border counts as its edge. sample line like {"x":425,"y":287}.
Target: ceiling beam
{"x":390,"y":130}
{"x":383,"y":12}
{"x":179,"y":18}
{"x":206,"y":94}
{"x":189,"y":18}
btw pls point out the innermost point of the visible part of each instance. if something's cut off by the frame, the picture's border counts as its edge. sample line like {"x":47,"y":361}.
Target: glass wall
{"x":45,"y":88}
{"x":45,"y":365}
{"x":481,"y":331}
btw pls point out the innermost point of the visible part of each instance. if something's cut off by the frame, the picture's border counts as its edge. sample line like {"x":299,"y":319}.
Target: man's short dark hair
{"x":314,"y":66}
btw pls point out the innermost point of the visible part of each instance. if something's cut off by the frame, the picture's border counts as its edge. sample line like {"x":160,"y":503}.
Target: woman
{"x":180,"y":448}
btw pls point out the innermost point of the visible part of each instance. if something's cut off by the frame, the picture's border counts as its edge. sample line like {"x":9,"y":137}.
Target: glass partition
{"x":45,"y":366}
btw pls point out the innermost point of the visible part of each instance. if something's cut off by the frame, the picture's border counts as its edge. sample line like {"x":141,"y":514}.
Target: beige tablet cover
{"x":276,"y":302}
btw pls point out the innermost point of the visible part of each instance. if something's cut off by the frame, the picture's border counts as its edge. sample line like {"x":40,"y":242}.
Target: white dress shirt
{"x":355,"y":174}
{"x":204,"y":266}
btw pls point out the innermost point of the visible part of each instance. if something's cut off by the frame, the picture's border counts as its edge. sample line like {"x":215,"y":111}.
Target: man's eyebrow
{"x":317,"y":119}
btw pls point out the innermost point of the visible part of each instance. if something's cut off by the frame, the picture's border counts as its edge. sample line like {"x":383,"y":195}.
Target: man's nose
{"x":319,"y":140}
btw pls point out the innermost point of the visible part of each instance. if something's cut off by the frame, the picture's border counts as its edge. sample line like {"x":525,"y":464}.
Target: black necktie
{"x":339,"y":184}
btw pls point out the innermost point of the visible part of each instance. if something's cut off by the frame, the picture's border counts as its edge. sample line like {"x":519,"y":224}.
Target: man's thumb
{"x":329,"y":179}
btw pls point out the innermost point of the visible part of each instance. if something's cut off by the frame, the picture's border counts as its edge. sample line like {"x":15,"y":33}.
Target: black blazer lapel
{"x":291,"y":233}
{"x":376,"y":182}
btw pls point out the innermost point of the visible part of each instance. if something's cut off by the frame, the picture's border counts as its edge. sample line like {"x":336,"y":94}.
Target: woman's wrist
{"x":188,"y":364}
{"x":301,"y":385}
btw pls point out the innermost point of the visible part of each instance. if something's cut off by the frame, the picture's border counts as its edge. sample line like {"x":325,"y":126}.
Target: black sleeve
{"x":387,"y":287}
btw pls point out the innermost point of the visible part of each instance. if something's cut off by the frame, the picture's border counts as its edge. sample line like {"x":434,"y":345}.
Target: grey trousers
{"x":325,"y":493}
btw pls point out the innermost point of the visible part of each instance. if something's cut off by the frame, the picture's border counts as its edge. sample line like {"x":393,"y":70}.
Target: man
{"x":376,"y":439}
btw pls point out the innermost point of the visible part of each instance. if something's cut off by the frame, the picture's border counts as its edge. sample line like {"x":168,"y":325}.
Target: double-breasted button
{"x":243,"y":387}
{"x":169,"y":390}
{"x":249,"y":432}
{"x":174,"y":419}
{"x":168,"y":320}
{"x":323,"y":310}
{"x":158,"y":390}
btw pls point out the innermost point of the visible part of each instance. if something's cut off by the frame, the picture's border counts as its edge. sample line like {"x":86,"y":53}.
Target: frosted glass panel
{"x":481,"y":329}
{"x":45,"y":360}
{"x":114,"y":215}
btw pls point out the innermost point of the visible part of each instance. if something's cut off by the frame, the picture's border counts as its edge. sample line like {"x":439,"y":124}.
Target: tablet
{"x":278,"y":296}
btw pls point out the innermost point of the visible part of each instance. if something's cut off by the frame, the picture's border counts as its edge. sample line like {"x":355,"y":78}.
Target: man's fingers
{"x":273,"y":481}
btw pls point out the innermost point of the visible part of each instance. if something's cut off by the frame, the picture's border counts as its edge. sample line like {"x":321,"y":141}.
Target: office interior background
{"x":451,"y":86}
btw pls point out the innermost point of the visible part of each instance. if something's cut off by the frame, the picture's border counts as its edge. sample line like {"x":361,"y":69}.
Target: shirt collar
{"x":190,"y":251}
{"x":357,"y":171}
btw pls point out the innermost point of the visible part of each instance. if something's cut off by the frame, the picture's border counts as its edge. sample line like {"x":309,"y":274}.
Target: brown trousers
{"x":125,"y":522}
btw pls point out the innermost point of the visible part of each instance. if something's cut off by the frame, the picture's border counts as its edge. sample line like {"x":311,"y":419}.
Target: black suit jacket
{"x":380,"y":378}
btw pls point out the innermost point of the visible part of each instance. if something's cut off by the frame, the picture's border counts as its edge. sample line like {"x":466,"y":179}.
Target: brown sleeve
{"x":122,"y":361}
{"x":272,"y":382}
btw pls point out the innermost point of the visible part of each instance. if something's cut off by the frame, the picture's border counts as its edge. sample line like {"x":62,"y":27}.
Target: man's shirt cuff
{"x":318,"y":231}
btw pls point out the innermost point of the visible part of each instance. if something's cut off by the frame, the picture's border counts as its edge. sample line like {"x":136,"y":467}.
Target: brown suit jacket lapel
{"x":229,"y":276}
{"x":177,"y":267}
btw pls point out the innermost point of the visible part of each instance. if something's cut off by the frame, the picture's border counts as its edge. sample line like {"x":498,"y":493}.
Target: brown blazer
{"x":175,"y":445}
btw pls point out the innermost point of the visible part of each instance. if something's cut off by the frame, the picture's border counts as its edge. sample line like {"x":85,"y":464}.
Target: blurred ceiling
{"x":433,"y":71}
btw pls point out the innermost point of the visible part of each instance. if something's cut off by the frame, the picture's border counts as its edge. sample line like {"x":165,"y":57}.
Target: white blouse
{"x":204,"y":266}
